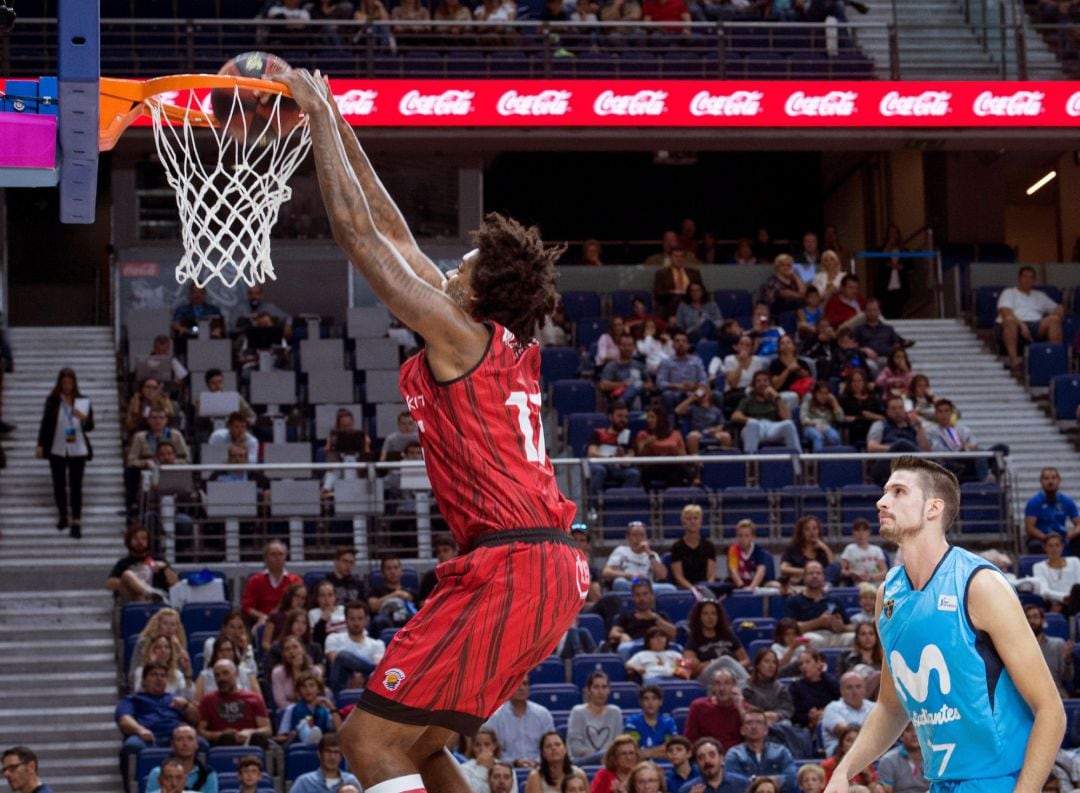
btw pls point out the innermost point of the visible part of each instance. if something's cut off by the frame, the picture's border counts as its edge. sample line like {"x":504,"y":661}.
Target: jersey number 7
{"x":532,"y":437}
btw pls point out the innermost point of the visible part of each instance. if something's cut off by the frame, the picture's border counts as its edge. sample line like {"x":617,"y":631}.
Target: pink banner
{"x":27,"y":141}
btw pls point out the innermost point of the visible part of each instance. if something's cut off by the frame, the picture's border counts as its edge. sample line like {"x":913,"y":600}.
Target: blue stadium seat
{"x":300,"y":758}
{"x":1045,"y":361}
{"x":706,"y":350}
{"x":313,"y":577}
{"x":745,"y":502}
{"x":550,"y":670}
{"x":734,"y":302}
{"x":751,"y":629}
{"x":622,"y":301}
{"x":775,"y":474}
{"x":556,"y":696}
{"x":833,"y":656}
{"x":594,"y":624}
{"x":224,"y":758}
{"x":680,"y":693}
{"x":135,"y":616}
{"x":756,"y":646}
{"x":798,"y":500}
{"x":982,"y":508}
{"x":622,"y":505}
{"x":1072,"y":708}
{"x":204,"y":617}
{"x":744,"y":606}
{"x":386,"y":635}
{"x":719,"y":475}
{"x":676,"y":605}
{"x":625,"y":695}
{"x":580,"y":427}
{"x":588,"y":331}
{"x":1057,"y":625}
{"x":673,"y":501}
{"x":834,"y":474}
{"x":149,"y":759}
{"x":1051,"y":291}
{"x":347,"y":696}
{"x":1026,"y":563}
{"x":410,"y":579}
{"x":680,"y":715}
{"x":858,"y":501}
{"x":558,"y":363}
{"x":584,"y":665}
{"x":573,"y":396}
{"x":847,"y":595}
{"x":986,"y":298}
{"x":580,"y":304}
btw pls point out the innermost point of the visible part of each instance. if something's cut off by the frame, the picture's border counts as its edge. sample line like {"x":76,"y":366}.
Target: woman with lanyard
{"x":62,"y":436}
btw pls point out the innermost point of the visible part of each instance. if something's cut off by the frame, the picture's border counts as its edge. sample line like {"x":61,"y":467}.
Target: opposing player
{"x":502,"y":606}
{"x":962,"y":664}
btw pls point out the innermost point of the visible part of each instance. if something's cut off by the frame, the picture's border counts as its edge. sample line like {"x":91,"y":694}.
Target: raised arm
{"x":455,"y":341}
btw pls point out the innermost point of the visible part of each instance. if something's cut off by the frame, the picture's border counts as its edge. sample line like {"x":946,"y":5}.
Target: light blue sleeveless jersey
{"x":971,"y":721}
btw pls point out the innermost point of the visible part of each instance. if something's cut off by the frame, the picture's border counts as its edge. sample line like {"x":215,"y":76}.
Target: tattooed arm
{"x":455,"y":340}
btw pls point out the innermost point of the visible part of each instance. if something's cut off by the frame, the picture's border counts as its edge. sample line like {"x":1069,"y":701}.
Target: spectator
{"x":619,"y":761}
{"x":656,"y":661}
{"x":876,"y":338}
{"x":765,"y":692}
{"x":235,"y":629}
{"x":1050,"y":510}
{"x":189,"y":317}
{"x":672,"y":283}
{"x":147,"y":397}
{"x":950,"y":435}
{"x":810,"y":314}
{"x":739,"y":369}
{"x":651,"y":728}
{"x":329,"y":775}
{"x":635,"y":561}
{"x":921,"y":399}
{"x":250,"y":774}
{"x":711,"y":644}
{"x":860,"y":561}
{"x":607,"y":346}
{"x":712,"y":778}
{"x":138,"y":577}
{"x":865,"y":777}
{"x":845,"y":308}
{"x":765,"y":333}
{"x":614,"y":441}
{"x":808,"y":257}
{"x":296,"y":34}
{"x":185,"y":747}
{"x":163,"y":622}
{"x":594,"y":724}
{"x":224,"y":647}
{"x":482,"y":755}
{"x":865,"y":657}
{"x":149,"y":716}
{"x":295,"y":662}
{"x":698,"y":314}
{"x":893,"y":282}
{"x":669,"y":243}
{"x":744,"y":254}
{"x":445,"y":549}
{"x":806,"y":545}
{"x":784,"y":290}
{"x":900,"y":770}
{"x":1057,"y":574}
{"x":788,"y":645}
{"x":681,"y":374}
{"x":311,"y":716}
{"x":822,"y":348}
{"x":591,"y":251}
{"x":452,"y":11}
{"x":821,"y":417}
{"x":646,"y":777}
{"x":746,"y":560}
{"x":407,"y":432}
{"x":624,"y":378}
{"x":851,"y":357}
{"x":293,"y":599}
{"x":822,"y":618}
{"x":827,"y":280}
{"x":814,"y":689}
{"x":756,"y":757}
{"x":519,"y":724}
{"x":765,"y":417}
{"x":142,"y":454}
{"x":21,"y":771}
{"x":849,"y":710}
{"x":68,"y":417}
{"x":558,"y":330}
{"x":811,"y":778}
{"x":162,"y":350}
{"x":352,"y":652}
{"x":555,"y":766}
{"x":677,"y":751}
{"x":215,"y":384}
{"x":1057,"y":652}
{"x":633,"y":626}
{"x":264,"y":589}
{"x":327,"y":616}
{"x":1027,"y":313}
{"x":295,"y":625}
{"x":861,"y":408}
{"x":867,"y":602}
{"x":347,"y":585}
{"x":256,"y":304}
{"x":502,"y":779}
{"x":391,"y":603}
{"x":237,"y":455}
{"x":693,"y":557}
{"x":171,"y":776}
{"x":640,"y":316}
{"x":789,"y":374}
{"x":164,"y":650}
{"x":704,"y":420}
{"x":655,"y":344}
{"x":899,"y":431}
{"x":895,"y":379}
{"x":235,"y":433}
{"x":231,"y":716}
{"x":718,"y":715}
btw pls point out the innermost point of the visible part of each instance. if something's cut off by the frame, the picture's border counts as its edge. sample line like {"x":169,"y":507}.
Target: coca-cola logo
{"x":545,"y":103}
{"x":737,"y":103}
{"x":1021,"y":103}
{"x":642,"y":103}
{"x":452,"y":102}
{"x":928,"y":103}
{"x":1072,"y":107}
{"x":834,"y":103}
{"x":356,"y":102}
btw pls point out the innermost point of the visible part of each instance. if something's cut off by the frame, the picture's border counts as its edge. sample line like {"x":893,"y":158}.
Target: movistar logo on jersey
{"x":916,"y":683}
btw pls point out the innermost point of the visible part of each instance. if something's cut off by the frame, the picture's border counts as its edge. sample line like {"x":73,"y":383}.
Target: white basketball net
{"x":229,"y":203}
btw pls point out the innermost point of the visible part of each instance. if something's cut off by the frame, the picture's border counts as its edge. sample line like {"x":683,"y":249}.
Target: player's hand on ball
{"x":308,"y":90}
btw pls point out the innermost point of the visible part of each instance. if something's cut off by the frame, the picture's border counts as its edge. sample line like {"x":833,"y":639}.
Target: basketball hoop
{"x":228,"y":195}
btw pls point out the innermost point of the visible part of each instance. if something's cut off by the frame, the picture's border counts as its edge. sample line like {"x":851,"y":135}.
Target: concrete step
{"x":37,"y":718}
{"x":84,"y":695}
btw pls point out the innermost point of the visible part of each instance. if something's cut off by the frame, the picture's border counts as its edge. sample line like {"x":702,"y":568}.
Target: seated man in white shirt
{"x":1025,"y":312}
{"x":352,"y":651}
{"x":850,"y":710}
{"x":236,"y":433}
{"x":635,"y":560}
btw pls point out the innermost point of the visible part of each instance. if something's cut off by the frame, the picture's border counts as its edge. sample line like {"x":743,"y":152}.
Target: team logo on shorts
{"x":393,"y":678}
{"x":584,"y":577}
{"x":887,"y":607}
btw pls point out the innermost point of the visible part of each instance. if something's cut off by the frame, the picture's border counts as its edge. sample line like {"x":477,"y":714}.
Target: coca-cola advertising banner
{"x":687,"y":103}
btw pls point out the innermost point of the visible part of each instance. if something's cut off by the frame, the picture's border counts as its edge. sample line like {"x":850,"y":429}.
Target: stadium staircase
{"x":934,"y":40}
{"x":993,"y":404}
{"x":57,"y":662}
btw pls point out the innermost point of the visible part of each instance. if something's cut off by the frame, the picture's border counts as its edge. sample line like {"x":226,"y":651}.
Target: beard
{"x":894,"y":532}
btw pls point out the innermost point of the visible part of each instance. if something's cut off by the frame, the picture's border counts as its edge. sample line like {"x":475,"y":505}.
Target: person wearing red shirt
{"x":718,"y":715}
{"x":846,"y":306}
{"x":263,"y":591}
{"x":666,"y":11}
{"x":231,"y":716}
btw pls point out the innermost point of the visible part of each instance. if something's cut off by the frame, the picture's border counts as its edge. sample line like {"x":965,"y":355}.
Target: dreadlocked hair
{"x":513,"y":276}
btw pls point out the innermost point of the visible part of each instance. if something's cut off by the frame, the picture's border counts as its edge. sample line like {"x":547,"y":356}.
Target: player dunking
{"x":502,"y":606}
{"x":962,"y":664}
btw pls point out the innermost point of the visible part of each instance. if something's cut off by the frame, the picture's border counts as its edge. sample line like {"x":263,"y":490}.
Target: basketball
{"x":244,"y":113}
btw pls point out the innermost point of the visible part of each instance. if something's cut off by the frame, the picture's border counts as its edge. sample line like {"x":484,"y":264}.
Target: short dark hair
{"x":810,"y":289}
{"x":131,"y":531}
{"x":848,"y":278}
{"x":388,"y":557}
{"x":1027,"y":268}
{"x":329,"y":741}
{"x":936,"y":482}
{"x":25,"y":754}
{"x":893,"y":398}
{"x":616,"y":404}
{"x":513,"y":276}
{"x":236,"y":415}
{"x":650,"y":689}
{"x":343,"y":550}
{"x":170,"y":761}
{"x":165,"y":442}
{"x":943,"y":401}
{"x":249,"y":760}
{"x":211,"y":374}
{"x":641,"y":582}
{"x":860,"y":523}
{"x":700,"y":742}
{"x":678,"y":740}
{"x":443,"y":541}
{"x":595,"y":675}
{"x":655,"y":630}
{"x":153,"y":666}
{"x":353,"y":605}
{"x":679,"y":332}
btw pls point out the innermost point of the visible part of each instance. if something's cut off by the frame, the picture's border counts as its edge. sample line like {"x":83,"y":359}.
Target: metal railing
{"x":531,"y":49}
{"x":374,"y":515}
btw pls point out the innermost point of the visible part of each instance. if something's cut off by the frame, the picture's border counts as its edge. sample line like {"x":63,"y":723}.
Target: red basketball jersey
{"x":484,"y":444}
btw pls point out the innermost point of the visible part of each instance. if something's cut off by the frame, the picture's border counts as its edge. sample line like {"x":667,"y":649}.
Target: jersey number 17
{"x":532,"y":430}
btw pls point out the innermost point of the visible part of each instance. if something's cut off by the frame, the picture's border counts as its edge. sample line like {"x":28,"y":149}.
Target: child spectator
{"x":821,"y":417}
{"x":313,"y":715}
{"x":249,"y":769}
{"x":746,"y":560}
{"x":789,"y":646}
{"x":860,"y":561}
{"x":651,"y":728}
{"x":656,"y":661}
{"x":811,"y":778}
{"x":677,"y":751}
{"x":867,"y":602}
{"x":811,"y":313}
